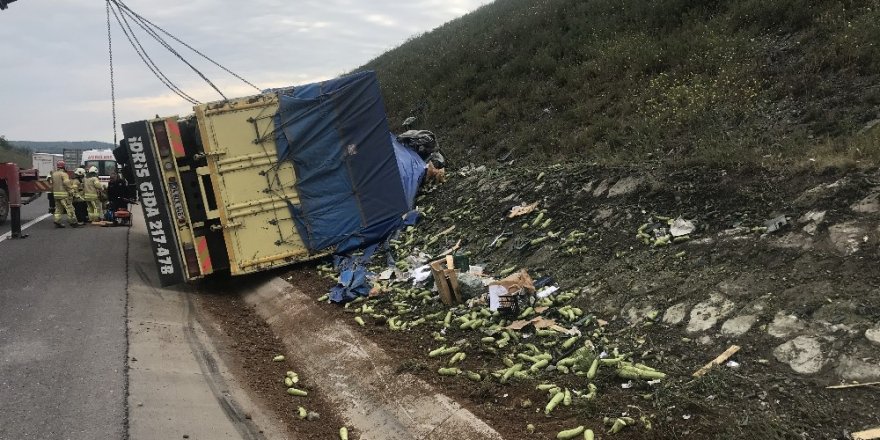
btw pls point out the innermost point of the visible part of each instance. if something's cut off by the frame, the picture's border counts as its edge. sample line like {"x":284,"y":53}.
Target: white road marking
{"x":26,"y":225}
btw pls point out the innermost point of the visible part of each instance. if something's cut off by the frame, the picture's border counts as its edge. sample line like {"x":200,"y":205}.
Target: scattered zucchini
{"x":297,"y":392}
{"x":570,"y":433}
{"x":554,"y":401}
{"x":448,"y":371}
{"x":617,"y":426}
{"x":591,"y":373}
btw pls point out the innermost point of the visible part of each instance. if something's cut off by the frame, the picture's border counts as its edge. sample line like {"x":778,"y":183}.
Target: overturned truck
{"x":254,"y":183}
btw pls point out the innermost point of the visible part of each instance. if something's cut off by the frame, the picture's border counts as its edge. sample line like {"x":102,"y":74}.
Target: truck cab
{"x":208,"y":201}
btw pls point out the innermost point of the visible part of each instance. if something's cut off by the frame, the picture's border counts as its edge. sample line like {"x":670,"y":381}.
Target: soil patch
{"x":247,"y":346}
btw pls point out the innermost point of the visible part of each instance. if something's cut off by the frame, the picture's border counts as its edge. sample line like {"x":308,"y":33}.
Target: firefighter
{"x":91,"y":190}
{"x":80,"y":207}
{"x":63,"y":191}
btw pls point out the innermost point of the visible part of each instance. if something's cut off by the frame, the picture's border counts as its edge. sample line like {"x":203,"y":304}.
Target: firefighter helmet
{"x":80,"y":172}
{"x":60,"y":165}
{"x":93,"y":170}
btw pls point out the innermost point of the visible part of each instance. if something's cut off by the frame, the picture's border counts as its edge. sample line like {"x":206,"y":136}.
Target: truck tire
{"x":4,"y":205}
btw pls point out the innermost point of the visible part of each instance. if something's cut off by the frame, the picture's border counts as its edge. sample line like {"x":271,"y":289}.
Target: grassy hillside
{"x":10,"y":153}
{"x":666,"y":81}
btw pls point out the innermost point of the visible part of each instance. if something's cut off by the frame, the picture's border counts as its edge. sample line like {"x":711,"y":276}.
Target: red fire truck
{"x":18,"y":187}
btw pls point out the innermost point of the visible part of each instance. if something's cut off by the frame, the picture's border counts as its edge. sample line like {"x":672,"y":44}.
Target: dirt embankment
{"x":802,"y":301}
{"x":248,"y":346}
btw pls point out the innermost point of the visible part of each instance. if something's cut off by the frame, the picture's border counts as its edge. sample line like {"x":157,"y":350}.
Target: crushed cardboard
{"x":503,"y":293}
{"x":517,"y":211}
{"x":434,"y":174}
{"x":541,"y":323}
{"x":517,"y":283}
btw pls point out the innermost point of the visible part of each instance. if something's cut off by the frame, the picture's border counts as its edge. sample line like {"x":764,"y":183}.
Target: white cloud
{"x":54,"y":77}
{"x":381,"y":20}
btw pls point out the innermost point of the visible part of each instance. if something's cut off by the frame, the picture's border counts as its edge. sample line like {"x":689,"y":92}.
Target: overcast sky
{"x":54,"y":71}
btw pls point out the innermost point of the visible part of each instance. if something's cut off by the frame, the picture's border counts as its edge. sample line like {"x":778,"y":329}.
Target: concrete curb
{"x":358,"y":376}
{"x":177,"y":383}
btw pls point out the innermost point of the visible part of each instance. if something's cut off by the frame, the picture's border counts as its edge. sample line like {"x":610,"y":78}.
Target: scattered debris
{"x":870,"y":434}
{"x":386,"y":274}
{"x":546,"y":291}
{"x":775,"y":224}
{"x":853,"y":385}
{"x":657,"y":232}
{"x":520,"y":210}
{"x":506,"y":294}
{"x":531,"y":335}
{"x":421,"y":274}
{"x":717,"y":361}
{"x":446,"y":280}
{"x":681,"y":227}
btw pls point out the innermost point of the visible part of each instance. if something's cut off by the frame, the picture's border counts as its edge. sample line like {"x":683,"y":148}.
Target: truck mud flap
{"x":154,"y":202}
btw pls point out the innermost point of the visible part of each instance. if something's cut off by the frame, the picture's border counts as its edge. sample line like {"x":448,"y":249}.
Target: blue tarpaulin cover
{"x":412,"y":170}
{"x":354,"y":184}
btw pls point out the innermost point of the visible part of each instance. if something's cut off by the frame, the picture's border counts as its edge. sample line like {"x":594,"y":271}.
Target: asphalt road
{"x":28,"y":212}
{"x":63,"y":332}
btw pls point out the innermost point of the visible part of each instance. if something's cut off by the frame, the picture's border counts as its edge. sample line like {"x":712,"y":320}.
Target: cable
{"x":165,"y":44}
{"x":112,"y":84}
{"x":135,"y":44}
{"x":138,"y":48}
{"x":152,"y":63}
{"x":187,"y":45}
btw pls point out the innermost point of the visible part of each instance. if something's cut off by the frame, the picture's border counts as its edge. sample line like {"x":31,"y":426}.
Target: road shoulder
{"x":178,"y":386}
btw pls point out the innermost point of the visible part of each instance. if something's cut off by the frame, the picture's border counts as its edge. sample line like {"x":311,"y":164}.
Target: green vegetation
{"x":10,"y":153}
{"x":60,"y":146}
{"x":666,"y":81}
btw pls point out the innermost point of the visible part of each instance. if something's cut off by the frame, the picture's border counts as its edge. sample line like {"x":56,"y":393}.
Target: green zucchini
{"x":570,"y":433}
